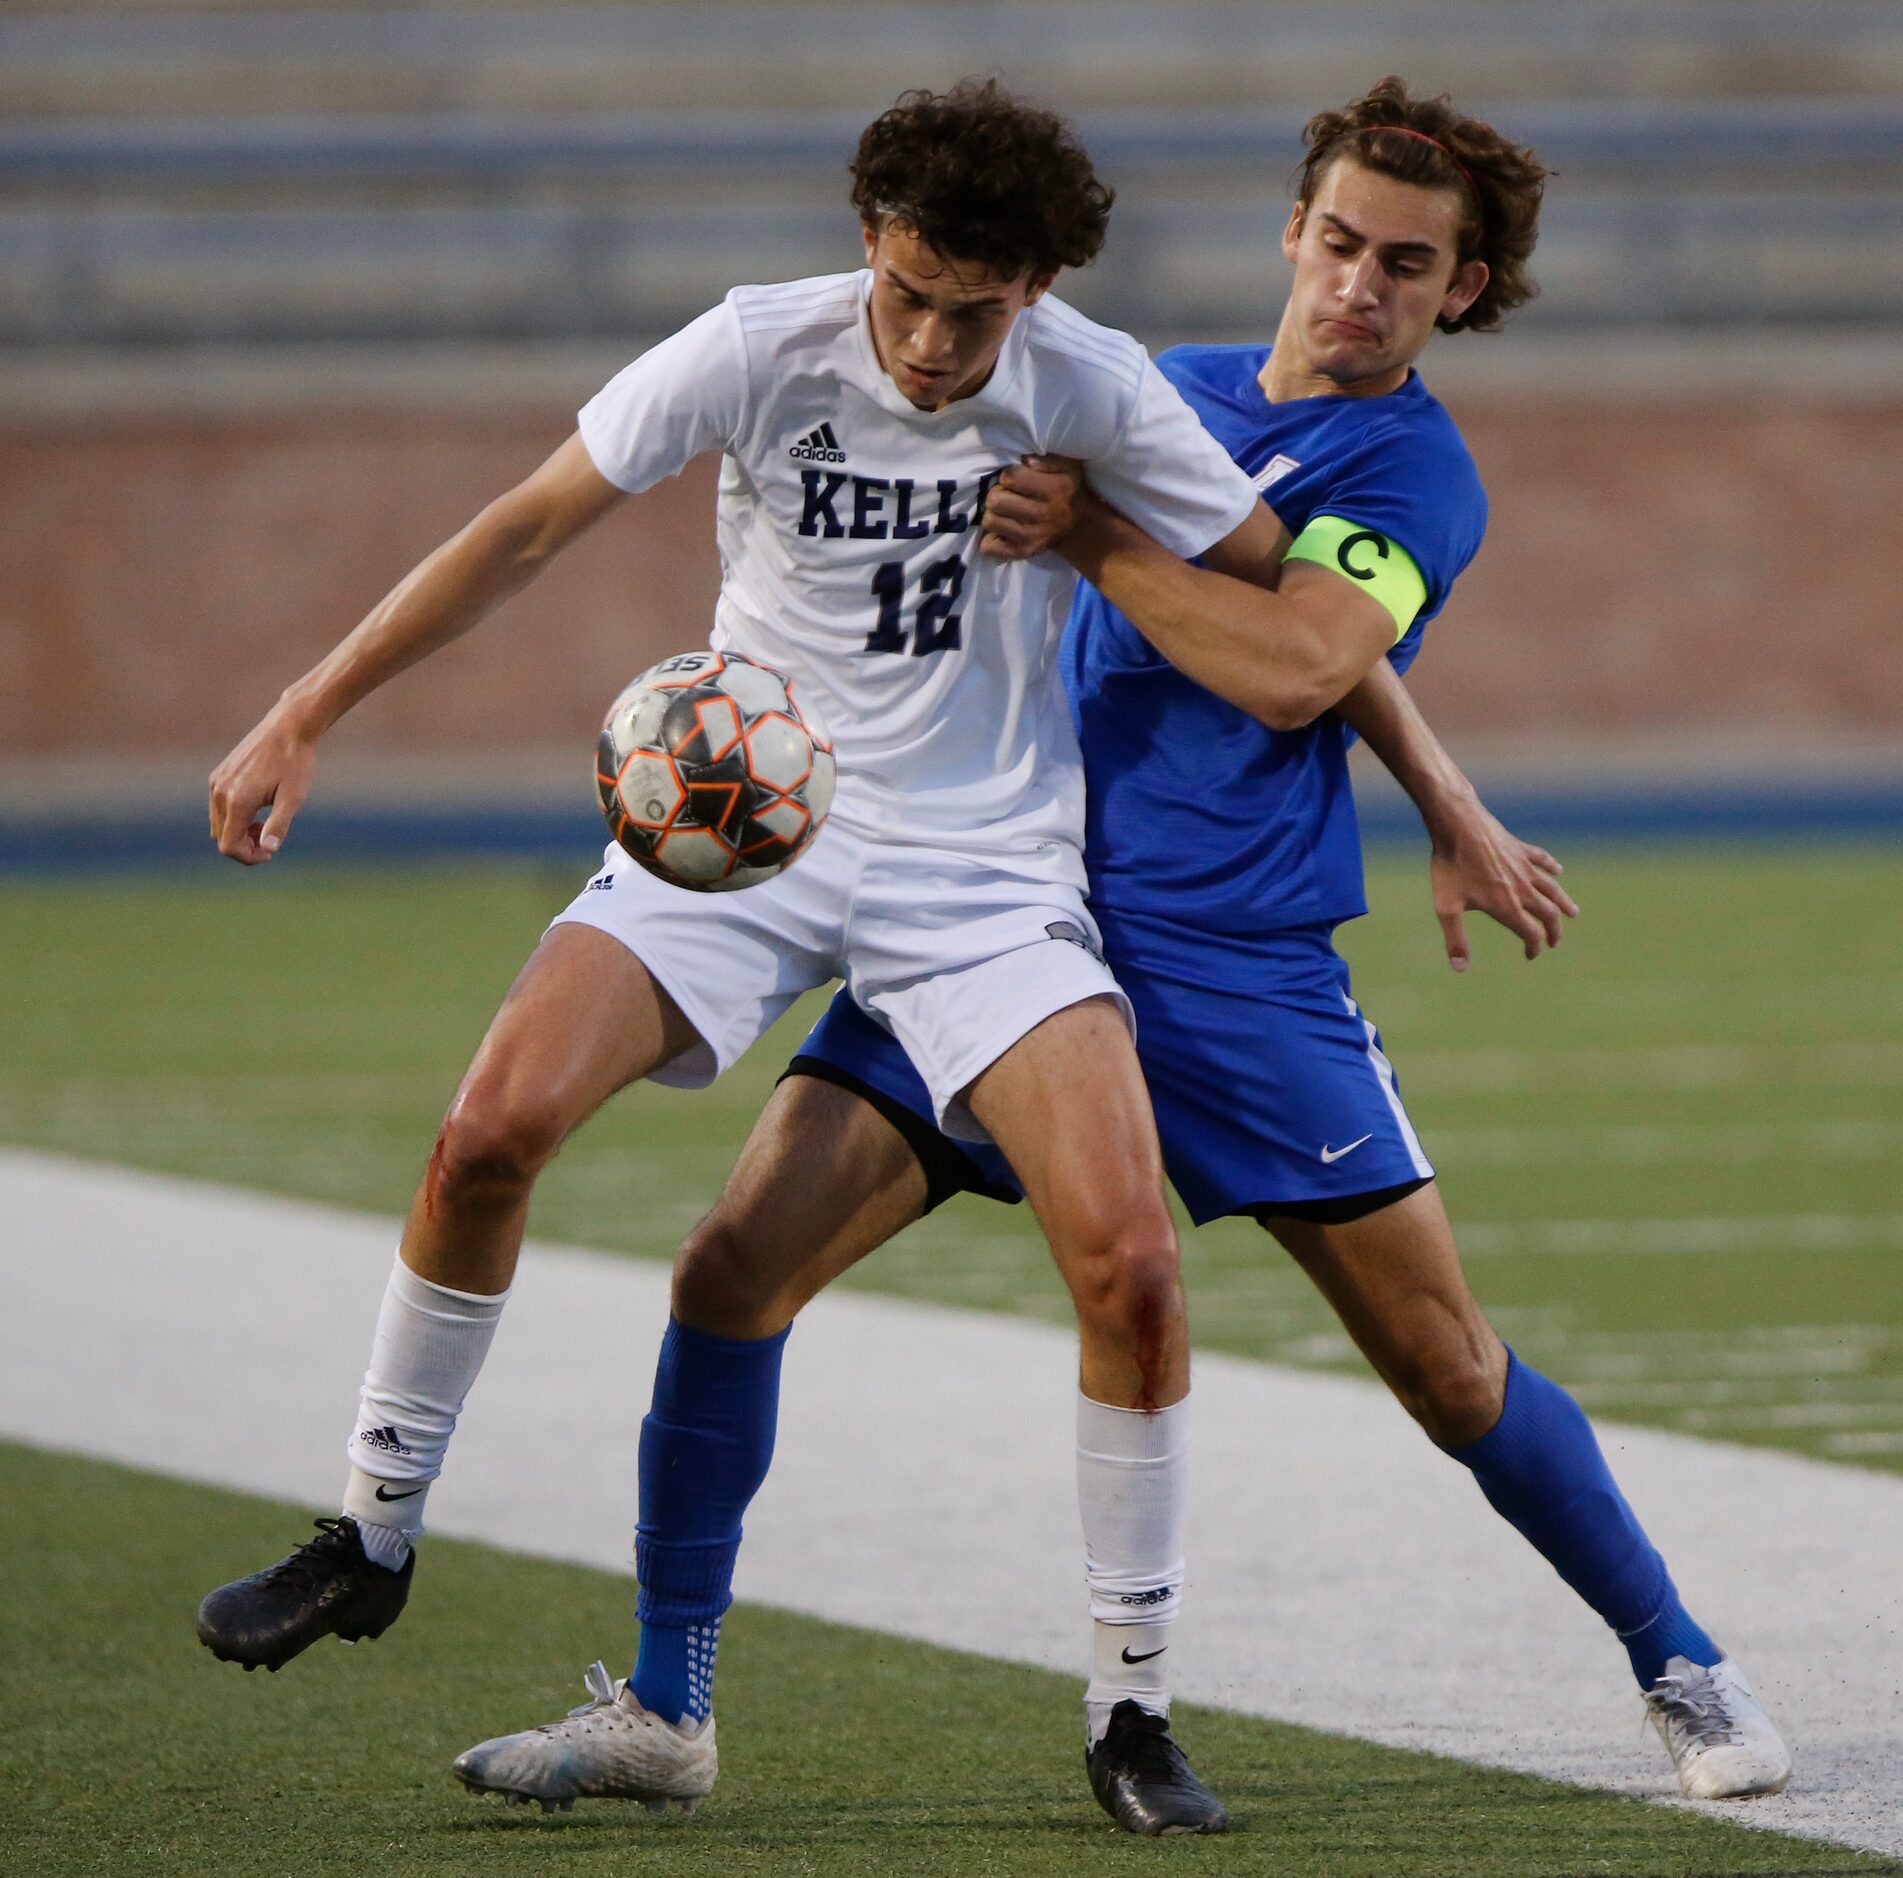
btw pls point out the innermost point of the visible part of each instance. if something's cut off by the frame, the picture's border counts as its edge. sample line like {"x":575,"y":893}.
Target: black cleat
{"x":1142,"y":1781}
{"x":327,"y":1587}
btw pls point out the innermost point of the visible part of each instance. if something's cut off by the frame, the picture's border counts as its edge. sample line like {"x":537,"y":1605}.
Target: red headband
{"x":1420,"y":136}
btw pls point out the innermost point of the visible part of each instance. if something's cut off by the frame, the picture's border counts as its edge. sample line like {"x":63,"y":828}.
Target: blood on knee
{"x":1129,"y":1289}
{"x":433,"y":1174}
{"x":489,"y":1145}
{"x":1152,"y":1351}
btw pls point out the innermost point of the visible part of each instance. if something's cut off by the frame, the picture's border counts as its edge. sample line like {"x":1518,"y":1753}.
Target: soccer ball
{"x":711,"y":776}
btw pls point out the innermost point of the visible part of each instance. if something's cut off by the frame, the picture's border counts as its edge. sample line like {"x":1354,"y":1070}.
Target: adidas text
{"x":819,"y":446}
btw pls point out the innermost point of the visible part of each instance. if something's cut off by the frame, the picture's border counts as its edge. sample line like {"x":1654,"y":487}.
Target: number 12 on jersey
{"x":935,"y":626}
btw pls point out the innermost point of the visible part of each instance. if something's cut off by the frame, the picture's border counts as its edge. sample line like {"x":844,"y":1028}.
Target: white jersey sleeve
{"x":680,"y":398}
{"x":1169,"y":475}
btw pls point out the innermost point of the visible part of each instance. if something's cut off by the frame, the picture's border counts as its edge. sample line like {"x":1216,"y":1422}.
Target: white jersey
{"x":848,"y":539}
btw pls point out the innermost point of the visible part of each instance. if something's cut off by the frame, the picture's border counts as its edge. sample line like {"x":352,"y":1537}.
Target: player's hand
{"x":1480,"y":866}
{"x":1031,"y":507}
{"x":259,"y":787}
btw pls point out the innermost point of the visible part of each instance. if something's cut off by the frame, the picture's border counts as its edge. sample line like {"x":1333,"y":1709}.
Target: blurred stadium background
{"x":288,"y":290}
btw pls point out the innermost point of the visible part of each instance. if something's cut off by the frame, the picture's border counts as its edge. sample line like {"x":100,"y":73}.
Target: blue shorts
{"x":1270,"y":1087}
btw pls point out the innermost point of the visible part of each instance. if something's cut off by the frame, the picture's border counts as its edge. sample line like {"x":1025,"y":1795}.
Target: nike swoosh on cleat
{"x":1331,"y":1155}
{"x":1145,"y":1657}
{"x":382,"y":1494}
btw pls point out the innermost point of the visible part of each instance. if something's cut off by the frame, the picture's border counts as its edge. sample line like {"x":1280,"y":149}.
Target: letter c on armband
{"x":1354,"y":541}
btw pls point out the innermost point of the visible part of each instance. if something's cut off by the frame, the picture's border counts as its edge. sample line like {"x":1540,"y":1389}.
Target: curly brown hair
{"x":983,"y":178}
{"x":1426,"y":141}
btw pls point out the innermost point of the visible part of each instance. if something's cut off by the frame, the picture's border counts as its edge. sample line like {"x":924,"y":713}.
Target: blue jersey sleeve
{"x":1417,"y":485}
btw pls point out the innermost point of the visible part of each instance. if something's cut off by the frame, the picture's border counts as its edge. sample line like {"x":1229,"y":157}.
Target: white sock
{"x":388,"y":1546}
{"x":1133,"y":1491}
{"x":429,"y":1347}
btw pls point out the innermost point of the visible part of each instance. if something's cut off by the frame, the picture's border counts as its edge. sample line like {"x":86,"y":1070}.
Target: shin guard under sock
{"x":1541,"y":1470}
{"x":430,"y":1345}
{"x":706,"y":1445}
{"x":1133,"y":1493}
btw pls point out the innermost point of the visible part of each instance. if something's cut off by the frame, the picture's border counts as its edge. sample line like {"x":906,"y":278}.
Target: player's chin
{"x":1346,"y":359}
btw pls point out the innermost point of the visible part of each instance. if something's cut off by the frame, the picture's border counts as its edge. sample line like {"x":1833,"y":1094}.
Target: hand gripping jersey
{"x":1221,"y":852}
{"x":1199,"y":816}
{"x":848,"y":526}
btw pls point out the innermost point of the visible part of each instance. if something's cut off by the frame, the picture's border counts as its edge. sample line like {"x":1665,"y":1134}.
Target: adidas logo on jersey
{"x":385,"y":1438}
{"x":819,"y":446}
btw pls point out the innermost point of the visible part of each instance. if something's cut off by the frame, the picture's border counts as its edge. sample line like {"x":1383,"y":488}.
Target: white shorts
{"x":956,"y":954}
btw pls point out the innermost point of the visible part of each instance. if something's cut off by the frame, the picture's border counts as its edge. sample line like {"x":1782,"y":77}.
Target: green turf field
{"x":1671,"y":1149}
{"x":1686,"y":1117}
{"x":124,"y":1748}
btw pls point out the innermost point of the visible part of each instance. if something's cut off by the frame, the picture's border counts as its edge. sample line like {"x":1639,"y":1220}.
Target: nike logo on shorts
{"x":1331,"y":1155}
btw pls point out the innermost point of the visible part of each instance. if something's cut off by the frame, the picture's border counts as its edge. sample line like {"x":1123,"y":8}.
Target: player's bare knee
{"x":720,"y":1285}
{"x":1129,"y":1281}
{"x":1456,"y":1397}
{"x":491,"y":1144}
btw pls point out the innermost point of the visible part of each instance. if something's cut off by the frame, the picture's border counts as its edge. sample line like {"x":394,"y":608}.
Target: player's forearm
{"x":1252,"y":647}
{"x":1383,"y":712}
{"x":438,"y":601}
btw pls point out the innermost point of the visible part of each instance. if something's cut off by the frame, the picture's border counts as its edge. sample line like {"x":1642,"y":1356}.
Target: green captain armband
{"x":1383,"y":567}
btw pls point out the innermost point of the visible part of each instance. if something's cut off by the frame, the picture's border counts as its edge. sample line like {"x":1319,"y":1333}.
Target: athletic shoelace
{"x":602,"y":1691}
{"x":1696,"y":1707}
{"x":301,"y":1566}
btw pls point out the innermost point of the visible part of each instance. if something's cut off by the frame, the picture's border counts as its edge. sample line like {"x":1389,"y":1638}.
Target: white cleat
{"x":1716,"y":1731}
{"x":610,"y":1748}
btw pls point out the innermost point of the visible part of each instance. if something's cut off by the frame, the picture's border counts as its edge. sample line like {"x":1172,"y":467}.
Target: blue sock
{"x":1541,"y":1469}
{"x":706,"y":1445}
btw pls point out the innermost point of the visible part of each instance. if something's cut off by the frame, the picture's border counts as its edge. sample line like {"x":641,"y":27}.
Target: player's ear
{"x":870,"y":231}
{"x":1039,"y":286}
{"x":1292,"y":234}
{"x":1467,"y":286}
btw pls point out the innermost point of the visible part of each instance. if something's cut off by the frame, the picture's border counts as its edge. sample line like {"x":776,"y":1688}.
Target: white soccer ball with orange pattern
{"x":712,"y":776}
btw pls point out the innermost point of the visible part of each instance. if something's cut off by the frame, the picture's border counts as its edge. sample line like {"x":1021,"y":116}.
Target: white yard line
{"x":1664,"y":1144}
{"x":1875,"y":1063}
{"x":1792,"y":1233}
{"x":1344,"y":1575}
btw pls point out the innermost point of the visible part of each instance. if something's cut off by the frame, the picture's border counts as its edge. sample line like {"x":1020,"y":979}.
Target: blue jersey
{"x":1197,"y":813}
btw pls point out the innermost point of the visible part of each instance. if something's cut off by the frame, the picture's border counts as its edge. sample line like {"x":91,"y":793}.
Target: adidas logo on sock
{"x":1161,"y":1595}
{"x":385,"y":1438}
{"x":819,"y":446}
